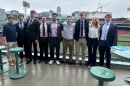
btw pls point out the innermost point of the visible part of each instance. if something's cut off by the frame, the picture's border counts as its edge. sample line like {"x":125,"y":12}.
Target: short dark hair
{"x":32,"y":11}
{"x":108,"y":15}
{"x":69,"y":16}
{"x":21,"y":15}
{"x":54,"y":14}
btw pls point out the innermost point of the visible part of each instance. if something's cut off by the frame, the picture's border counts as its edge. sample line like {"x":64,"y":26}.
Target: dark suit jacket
{"x":77,"y":30}
{"x":59,"y":31}
{"x":21,"y":33}
{"x":112,"y":35}
{"x":33,"y":30}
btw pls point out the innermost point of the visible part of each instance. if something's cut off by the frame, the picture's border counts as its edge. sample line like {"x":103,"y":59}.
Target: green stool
{"x":18,"y":73}
{"x":102,"y":74}
{"x":3,"y":68}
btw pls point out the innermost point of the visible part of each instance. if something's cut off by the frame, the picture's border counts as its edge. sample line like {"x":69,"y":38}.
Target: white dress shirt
{"x":20,"y":25}
{"x":41,"y":30}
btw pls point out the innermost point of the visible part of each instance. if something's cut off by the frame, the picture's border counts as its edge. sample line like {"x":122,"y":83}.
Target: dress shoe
{"x":34,"y":62}
{"x":46,"y":61}
{"x":39,"y":61}
{"x":28,"y":61}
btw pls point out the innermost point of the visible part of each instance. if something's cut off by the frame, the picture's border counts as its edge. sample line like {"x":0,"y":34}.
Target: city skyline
{"x":117,"y":8}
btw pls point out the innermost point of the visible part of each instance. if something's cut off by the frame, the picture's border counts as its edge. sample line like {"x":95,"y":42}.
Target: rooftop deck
{"x":56,"y":75}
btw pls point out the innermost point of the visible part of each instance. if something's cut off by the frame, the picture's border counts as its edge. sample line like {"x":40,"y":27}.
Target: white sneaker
{"x":51,"y":61}
{"x":57,"y":62}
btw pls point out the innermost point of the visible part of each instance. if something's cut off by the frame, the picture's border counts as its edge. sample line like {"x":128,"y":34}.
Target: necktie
{"x":30,"y":22}
{"x":43,"y":29}
{"x":81,"y":28}
{"x":21,"y":26}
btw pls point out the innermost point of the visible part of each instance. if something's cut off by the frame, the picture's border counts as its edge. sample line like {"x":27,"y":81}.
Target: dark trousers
{"x":104,"y":50}
{"x":54,"y":44}
{"x":92,"y":49}
{"x":23,"y":43}
{"x":43,"y":44}
{"x":30,"y":42}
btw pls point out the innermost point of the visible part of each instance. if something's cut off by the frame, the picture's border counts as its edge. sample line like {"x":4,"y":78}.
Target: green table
{"x":18,"y":73}
{"x":3,"y":68}
{"x":102,"y":74}
{"x":123,"y":55}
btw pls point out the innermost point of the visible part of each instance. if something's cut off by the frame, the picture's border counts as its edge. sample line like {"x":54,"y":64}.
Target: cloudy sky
{"x":117,"y":7}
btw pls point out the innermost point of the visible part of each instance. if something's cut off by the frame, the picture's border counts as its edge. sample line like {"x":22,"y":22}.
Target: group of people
{"x":83,"y":32}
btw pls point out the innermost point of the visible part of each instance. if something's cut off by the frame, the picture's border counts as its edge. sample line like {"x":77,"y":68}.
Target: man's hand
{"x":36,"y":41}
{"x":6,"y":44}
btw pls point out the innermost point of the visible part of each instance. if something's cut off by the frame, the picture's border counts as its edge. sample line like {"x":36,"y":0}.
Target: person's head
{"x":11,"y":19}
{"x":20,"y":17}
{"x":54,"y":16}
{"x":108,"y":18}
{"x":95,"y":22}
{"x":43,"y":19}
{"x":82,"y":15}
{"x":69,"y":19}
{"x":32,"y":13}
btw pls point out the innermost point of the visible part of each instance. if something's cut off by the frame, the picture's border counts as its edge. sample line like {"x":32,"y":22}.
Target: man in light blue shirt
{"x":108,"y":37}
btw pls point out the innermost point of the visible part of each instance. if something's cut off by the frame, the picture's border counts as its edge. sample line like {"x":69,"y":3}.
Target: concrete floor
{"x":56,"y":75}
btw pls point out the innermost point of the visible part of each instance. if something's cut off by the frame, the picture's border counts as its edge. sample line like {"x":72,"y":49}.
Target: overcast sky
{"x":117,"y":7}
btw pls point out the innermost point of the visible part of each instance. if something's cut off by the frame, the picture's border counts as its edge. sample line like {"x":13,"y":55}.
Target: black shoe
{"x":71,"y":64}
{"x":46,"y":61}
{"x":28,"y":61}
{"x":34,"y":62}
{"x":63,"y":62}
{"x":39,"y":61}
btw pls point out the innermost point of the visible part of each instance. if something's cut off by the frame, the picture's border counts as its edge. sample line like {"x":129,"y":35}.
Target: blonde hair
{"x":97,"y":23}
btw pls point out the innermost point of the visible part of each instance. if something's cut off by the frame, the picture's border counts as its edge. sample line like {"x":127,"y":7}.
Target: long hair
{"x":97,"y":23}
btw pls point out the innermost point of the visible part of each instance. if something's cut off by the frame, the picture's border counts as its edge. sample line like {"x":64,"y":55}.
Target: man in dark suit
{"x":55,"y":39}
{"x":43,"y":40}
{"x":81,"y":37}
{"x":21,"y":36}
{"x":32,"y":34}
{"x":108,"y":37}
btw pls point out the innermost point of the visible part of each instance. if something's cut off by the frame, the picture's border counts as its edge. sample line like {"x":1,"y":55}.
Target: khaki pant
{"x":81,"y":43}
{"x":11,"y":56}
{"x":66,"y":44}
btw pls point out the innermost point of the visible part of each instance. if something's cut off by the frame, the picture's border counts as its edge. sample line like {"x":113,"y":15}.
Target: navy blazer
{"x":33,"y":30}
{"x":112,"y":34}
{"x":77,"y":29}
{"x":21,"y":33}
{"x":59,"y":31}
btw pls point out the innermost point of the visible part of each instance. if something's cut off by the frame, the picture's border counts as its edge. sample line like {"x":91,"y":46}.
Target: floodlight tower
{"x":26,"y":5}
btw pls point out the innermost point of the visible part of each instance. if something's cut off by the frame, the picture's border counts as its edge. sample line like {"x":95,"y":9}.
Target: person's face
{"x":11,"y":20}
{"x":83,"y":16}
{"x":94,"y":22}
{"x":21,"y":18}
{"x":108,"y":18}
{"x":69,"y":19}
{"x":44,"y":19}
{"x":32,"y":15}
{"x":54,"y":17}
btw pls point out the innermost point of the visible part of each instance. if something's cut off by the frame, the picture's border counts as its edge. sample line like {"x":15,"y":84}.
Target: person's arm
{"x":4,"y":34}
{"x":115,"y":36}
{"x":37,"y":32}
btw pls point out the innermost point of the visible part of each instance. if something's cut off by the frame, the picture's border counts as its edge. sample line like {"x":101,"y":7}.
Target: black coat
{"x":21,"y":33}
{"x":59,"y":31}
{"x":77,"y":29}
{"x":33,"y":30}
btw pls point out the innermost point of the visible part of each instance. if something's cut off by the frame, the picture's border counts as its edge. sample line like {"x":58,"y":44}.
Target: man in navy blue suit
{"x":108,"y":37}
{"x":21,"y":35}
